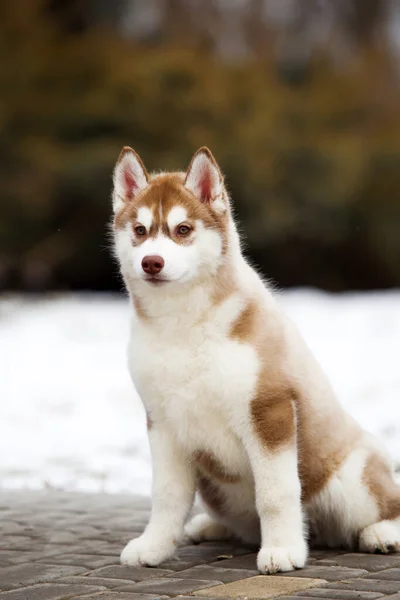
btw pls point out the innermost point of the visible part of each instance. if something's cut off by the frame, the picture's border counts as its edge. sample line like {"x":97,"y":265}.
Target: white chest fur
{"x":196,"y":381}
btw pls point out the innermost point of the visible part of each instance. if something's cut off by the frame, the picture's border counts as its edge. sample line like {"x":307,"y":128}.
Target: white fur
{"x":202,"y":167}
{"x":283,"y":545}
{"x":344,"y":508}
{"x":128,"y":164}
{"x":171,"y":503}
{"x":145,"y":217}
{"x":183,"y":263}
{"x":381,"y":537}
{"x":176,"y":216}
{"x":197,"y":382}
{"x":204,"y":528}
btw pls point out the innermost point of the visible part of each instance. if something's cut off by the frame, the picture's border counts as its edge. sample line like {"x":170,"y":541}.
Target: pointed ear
{"x":203,"y":177}
{"x":130,"y":177}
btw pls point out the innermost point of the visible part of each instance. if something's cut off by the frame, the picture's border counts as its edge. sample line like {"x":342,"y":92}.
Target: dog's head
{"x":169,"y":228}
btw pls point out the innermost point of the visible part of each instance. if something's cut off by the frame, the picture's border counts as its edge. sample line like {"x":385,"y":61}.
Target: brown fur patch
{"x":211,"y":494}
{"x":273,"y":417}
{"x":137,"y":303}
{"x":378,"y":478}
{"x":121,"y":218}
{"x":272,"y":409}
{"x":209,"y":464}
{"x":243,"y":327}
{"x":164,"y":192}
{"x":281,"y":410}
{"x":319,"y":458}
{"x":149,"y":421}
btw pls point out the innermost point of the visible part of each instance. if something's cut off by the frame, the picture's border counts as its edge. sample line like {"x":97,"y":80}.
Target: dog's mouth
{"x":156,"y":280}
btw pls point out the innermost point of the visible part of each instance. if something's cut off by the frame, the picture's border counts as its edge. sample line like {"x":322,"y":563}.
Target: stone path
{"x":56,"y":546}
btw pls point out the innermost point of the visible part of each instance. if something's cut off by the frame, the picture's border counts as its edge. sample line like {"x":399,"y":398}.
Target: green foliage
{"x":313,"y":166}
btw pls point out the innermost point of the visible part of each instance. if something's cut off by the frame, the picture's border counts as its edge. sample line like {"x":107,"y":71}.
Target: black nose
{"x":152,"y":264}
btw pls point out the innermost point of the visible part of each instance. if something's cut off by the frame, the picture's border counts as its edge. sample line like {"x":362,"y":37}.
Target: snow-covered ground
{"x":69,"y":416}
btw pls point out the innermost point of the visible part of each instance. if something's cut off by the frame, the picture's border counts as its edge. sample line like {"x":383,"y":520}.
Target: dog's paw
{"x":204,"y":528}
{"x":382,"y":537}
{"x":279,"y":558}
{"x":146,"y":552}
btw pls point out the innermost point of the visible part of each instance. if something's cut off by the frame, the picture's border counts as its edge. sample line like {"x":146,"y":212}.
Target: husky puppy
{"x":237,"y":407}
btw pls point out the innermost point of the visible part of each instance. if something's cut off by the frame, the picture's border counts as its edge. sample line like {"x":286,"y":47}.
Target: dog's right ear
{"x":203,"y":177}
{"x":130,"y":177}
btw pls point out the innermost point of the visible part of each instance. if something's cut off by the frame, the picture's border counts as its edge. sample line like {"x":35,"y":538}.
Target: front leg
{"x":272,"y":450}
{"x":172,"y":498}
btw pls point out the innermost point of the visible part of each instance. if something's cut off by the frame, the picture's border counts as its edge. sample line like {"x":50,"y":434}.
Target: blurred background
{"x":299,"y":101}
{"x":300,"y":104}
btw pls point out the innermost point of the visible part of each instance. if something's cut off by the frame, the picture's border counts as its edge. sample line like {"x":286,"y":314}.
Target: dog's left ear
{"x":203,"y":177}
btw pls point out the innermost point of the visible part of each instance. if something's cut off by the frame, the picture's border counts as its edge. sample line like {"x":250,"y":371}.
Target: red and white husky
{"x":237,"y":407}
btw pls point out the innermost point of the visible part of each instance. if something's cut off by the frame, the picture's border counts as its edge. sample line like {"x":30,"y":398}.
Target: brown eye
{"x":140,"y":230}
{"x":183,"y":230}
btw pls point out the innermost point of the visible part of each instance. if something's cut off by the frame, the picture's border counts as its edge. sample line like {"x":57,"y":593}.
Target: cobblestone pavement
{"x":56,"y":545}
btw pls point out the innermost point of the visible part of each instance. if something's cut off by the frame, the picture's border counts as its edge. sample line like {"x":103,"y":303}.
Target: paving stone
{"x":320,"y":553}
{"x":60,"y":541}
{"x":194,"y":597}
{"x":63,"y":537}
{"x":122,"y":596}
{"x":305,"y":596}
{"x":393,"y":574}
{"x":170,"y":586}
{"x":81,"y":560}
{"x":233,"y":544}
{"x":209,"y":553}
{"x":244,"y":561}
{"x":130,"y":573}
{"x":339,"y":594}
{"x":110,"y":584}
{"x":217,"y":573}
{"x":17,"y":543}
{"x":7,"y":556}
{"x":367,"y":585}
{"x":370,"y":562}
{"x":131,"y":588}
{"x":260,"y":587}
{"x":12,"y":527}
{"x":248,"y":561}
{"x":93,"y":547}
{"x":51,"y":592}
{"x":191,"y":556}
{"x":174,"y":564}
{"x":44,"y":555}
{"x":328,"y":573}
{"x":28,"y":574}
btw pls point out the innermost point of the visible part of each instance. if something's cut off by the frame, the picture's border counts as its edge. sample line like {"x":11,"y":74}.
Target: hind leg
{"x":229,"y":512}
{"x":360,"y":506}
{"x":345,"y":507}
{"x":203,"y":527}
{"x":382,"y":537}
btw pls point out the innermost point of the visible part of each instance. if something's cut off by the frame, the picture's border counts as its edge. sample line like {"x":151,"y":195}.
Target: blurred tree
{"x":311,"y":155}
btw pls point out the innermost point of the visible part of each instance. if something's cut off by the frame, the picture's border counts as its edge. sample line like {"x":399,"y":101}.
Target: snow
{"x":70,"y":418}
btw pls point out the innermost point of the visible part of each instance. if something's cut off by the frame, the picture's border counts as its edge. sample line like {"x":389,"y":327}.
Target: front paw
{"x":280,"y":558}
{"x":146,"y":552}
